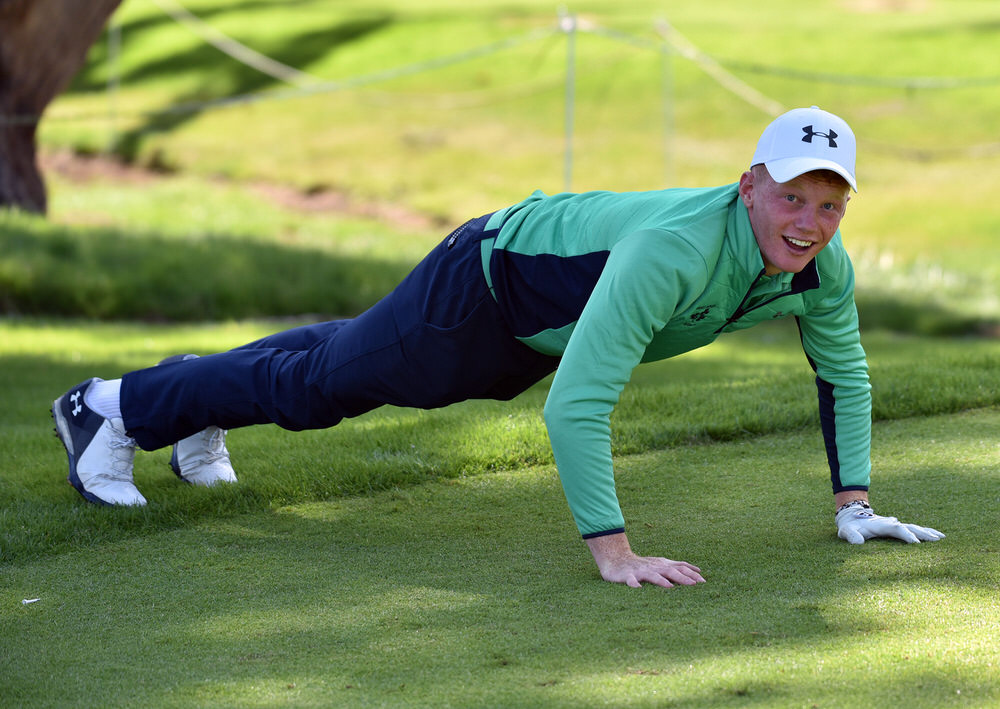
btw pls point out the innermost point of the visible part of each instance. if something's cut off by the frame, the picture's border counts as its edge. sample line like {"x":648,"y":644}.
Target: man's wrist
{"x":609,"y":548}
{"x":844,"y":496}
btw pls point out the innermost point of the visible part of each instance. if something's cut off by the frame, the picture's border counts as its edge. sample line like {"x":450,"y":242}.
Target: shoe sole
{"x":64,"y":436}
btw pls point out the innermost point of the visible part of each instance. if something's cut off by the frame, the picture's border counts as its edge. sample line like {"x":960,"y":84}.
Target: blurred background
{"x":210,"y":148}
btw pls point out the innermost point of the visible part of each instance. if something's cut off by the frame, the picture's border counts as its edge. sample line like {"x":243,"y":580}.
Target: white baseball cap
{"x":806,"y":139}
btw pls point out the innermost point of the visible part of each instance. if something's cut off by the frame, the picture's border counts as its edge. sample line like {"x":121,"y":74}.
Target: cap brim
{"x":785,"y":169}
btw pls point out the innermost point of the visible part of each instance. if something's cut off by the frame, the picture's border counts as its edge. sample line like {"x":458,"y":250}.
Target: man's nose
{"x":807,"y":221}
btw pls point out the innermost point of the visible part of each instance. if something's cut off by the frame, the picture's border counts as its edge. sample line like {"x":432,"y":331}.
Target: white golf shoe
{"x":100,"y":452}
{"x":201,"y":459}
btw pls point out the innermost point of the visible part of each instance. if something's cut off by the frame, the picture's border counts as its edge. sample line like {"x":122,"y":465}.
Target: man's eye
{"x":789,"y":198}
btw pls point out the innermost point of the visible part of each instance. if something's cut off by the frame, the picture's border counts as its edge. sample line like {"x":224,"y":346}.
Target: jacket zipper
{"x":740,"y":312}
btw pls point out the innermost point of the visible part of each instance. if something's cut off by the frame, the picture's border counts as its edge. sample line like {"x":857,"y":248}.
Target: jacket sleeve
{"x":832,"y":342}
{"x":642,"y":284}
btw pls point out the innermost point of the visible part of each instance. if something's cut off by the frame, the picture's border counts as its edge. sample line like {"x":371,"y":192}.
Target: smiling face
{"x":792,"y":221}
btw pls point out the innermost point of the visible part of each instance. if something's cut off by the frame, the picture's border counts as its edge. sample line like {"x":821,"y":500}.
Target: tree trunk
{"x":43,"y":44}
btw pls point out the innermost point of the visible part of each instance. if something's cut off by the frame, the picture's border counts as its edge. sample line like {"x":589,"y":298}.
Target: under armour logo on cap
{"x":805,"y":140}
{"x":809,"y":133}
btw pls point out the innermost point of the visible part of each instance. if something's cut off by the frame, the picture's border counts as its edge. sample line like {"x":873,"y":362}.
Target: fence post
{"x":667,"y":86}
{"x":567,"y":23}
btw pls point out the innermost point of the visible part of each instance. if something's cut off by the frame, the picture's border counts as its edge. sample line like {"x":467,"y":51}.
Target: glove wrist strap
{"x":853,"y":503}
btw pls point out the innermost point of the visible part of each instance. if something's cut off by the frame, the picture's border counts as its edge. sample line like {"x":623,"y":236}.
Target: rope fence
{"x":315,"y":88}
{"x":669,"y":43}
{"x":229,"y":46}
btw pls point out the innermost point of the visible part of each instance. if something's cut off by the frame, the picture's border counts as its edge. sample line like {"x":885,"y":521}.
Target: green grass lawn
{"x":413,"y":558}
{"x":475,"y":591}
{"x":429,"y":559}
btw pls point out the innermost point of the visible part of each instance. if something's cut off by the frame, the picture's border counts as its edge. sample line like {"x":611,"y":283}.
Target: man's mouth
{"x":799,"y":243}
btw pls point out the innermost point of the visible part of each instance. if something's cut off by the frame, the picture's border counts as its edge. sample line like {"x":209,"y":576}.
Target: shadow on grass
{"x":219,"y":76}
{"x":297,"y":51}
{"x":916,"y":316}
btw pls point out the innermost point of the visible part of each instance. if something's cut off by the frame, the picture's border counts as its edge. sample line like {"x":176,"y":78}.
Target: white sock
{"x":103,"y":398}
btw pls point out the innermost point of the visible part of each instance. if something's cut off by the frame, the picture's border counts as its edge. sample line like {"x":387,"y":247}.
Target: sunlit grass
{"x":395,"y":598}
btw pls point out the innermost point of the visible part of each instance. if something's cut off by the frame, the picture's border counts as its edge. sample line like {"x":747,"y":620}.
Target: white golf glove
{"x":856,"y":522}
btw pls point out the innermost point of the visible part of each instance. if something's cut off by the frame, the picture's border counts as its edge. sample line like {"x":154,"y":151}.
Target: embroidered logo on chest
{"x":700,"y":314}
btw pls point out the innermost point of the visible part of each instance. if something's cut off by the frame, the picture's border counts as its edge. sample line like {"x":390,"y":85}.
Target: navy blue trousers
{"x":436,"y":339}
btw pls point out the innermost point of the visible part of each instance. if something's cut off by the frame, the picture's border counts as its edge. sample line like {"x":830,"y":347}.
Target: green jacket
{"x":609,"y":280}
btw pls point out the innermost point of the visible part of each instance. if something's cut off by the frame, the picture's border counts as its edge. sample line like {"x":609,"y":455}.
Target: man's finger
{"x":666,"y":578}
{"x":680,"y":572}
{"x":901,"y":531}
{"x":924,"y":534}
{"x":685,"y":576}
{"x":686,"y":565}
{"x":655,"y":579}
{"x":661,"y":581}
{"x":851,"y":535}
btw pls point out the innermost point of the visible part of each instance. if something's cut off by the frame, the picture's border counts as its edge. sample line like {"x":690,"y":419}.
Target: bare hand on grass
{"x":619,"y":564}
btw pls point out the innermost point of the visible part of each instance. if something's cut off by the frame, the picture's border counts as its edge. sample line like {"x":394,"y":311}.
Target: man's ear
{"x":746,"y":188}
